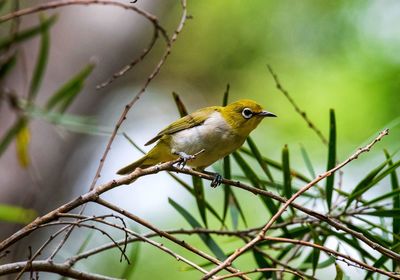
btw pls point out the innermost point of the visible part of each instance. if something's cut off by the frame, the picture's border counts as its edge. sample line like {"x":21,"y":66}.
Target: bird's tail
{"x":131,"y":167}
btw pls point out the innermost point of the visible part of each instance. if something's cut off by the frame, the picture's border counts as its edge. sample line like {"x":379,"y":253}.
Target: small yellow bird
{"x":217,"y":130}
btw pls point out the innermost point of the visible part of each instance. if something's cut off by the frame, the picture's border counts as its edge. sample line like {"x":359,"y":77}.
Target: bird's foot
{"x":216,"y":181}
{"x":184,"y":157}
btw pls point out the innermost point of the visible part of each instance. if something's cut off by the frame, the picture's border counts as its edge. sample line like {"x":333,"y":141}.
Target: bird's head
{"x":244,"y":115}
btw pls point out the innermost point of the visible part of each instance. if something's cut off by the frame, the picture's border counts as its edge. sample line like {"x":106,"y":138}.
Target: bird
{"x":214,"y":131}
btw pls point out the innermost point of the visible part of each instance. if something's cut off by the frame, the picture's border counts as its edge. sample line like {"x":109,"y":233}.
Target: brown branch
{"x":283,"y":270}
{"x":262,"y":233}
{"x":48,"y":266}
{"x":333,"y":252}
{"x":297,"y":108}
{"x":163,"y":233}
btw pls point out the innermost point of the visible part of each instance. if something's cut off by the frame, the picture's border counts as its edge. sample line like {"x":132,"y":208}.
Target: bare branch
{"x":262,"y":233}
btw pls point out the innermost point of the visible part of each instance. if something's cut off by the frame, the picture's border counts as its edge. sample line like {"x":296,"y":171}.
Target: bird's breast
{"x":215,"y":136}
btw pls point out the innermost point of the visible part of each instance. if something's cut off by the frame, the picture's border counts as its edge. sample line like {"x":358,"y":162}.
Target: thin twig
{"x":262,"y":233}
{"x":283,"y":270}
{"x":333,"y":252}
{"x":49,"y":266}
{"x":295,"y":106}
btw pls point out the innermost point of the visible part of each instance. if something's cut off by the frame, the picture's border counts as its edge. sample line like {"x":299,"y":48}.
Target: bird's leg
{"x":217,"y":178}
{"x":184,"y":158}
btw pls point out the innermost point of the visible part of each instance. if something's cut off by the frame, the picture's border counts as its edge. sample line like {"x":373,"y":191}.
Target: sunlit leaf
{"x":331,"y":158}
{"x":15,"y":214}
{"x":27,"y":34}
{"x":339,"y":272}
{"x":41,"y":61}
{"x":206,"y":238}
{"x":22,"y":145}
{"x":11,"y":133}
{"x":63,"y":97}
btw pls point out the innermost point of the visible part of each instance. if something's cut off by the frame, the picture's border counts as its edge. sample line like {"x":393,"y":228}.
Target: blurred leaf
{"x":207,"y":239}
{"x":315,"y":251}
{"x":382,"y":197}
{"x":41,"y":62}
{"x":287,"y":178}
{"x":80,"y":124}
{"x":322,"y":264}
{"x":368,"y":233}
{"x":331,"y":158}
{"x":262,"y":263}
{"x":365,"y":183}
{"x":7,"y":66}
{"x":22,"y":144}
{"x":191,"y":191}
{"x":200,"y":198}
{"x":258,"y":157}
{"x":307,"y":161}
{"x":277,"y":165}
{"x":85,"y":243}
{"x":64,"y":96}
{"x":339,"y":272}
{"x":226,"y":95}
{"x":383,"y":213}
{"x":11,"y":133}
{"x":15,"y":214}
{"x":255,"y":181}
{"x":179,"y":104}
{"x":230,"y":200}
{"x":396,"y":198}
{"x":133,"y":259}
{"x":27,"y":34}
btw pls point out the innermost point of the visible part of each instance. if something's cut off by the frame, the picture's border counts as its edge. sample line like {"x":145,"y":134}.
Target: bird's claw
{"x":184,"y":157}
{"x":216,"y":181}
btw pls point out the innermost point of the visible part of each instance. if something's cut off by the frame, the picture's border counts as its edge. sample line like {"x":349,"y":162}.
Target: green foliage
{"x":15,"y":214}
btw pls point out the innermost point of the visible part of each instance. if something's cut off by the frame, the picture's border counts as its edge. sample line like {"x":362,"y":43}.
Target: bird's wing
{"x":194,"y":119}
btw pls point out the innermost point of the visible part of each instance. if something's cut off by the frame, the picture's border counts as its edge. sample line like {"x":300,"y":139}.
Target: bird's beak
{"x":266,"y":114}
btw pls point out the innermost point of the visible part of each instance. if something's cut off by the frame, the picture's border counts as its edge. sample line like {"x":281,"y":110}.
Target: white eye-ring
{"x":247,"y":113}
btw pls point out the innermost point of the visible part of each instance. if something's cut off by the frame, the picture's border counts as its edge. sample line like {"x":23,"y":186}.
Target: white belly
{"x":214,"y":136}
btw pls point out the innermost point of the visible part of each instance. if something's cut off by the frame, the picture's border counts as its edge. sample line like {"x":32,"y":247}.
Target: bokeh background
{"x":342,"y":55}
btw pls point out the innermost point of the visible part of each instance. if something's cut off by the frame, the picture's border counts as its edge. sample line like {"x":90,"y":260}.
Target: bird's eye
{"x":247,"y":113}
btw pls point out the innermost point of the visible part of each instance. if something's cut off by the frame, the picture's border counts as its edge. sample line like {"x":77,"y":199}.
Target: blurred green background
{"x":328,"y":54}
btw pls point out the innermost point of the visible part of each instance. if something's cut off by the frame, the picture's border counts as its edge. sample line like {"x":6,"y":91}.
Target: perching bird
{"x":217,"y":130}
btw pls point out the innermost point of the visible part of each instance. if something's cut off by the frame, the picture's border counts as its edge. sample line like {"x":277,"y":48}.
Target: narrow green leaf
{"x":277,"y":165}
{"x":368,"y":233}
{"x":339,"y":272}
{"x":15,"y":214}
{"x":259,"y":159}
{"x":206,"y":238}
{"x":11,"y":133}
{"x":7,"y":66}
{"x":307,"y":161}
{"x":394,"y":181}
{"x":262,"y":263}
{"x":287,"y":178}
{"x":236,"y":208}
{"x":366,"y":183}
{"x":331,"y":158}
{"x":382,"y":197}
{"x":227,"y":188}
{"x":129,"y":269}
{"x":315,"y":251}
{"x":226,"y":95}
{"x":41,"y":62}
{"x":395,"y":212}
{"x":323,"y":264}
{"x":200,"y":198}
{"x":22,"y":145}
{"x":253,"y":178}
{"x":179,"y":104}
{"x":63,"y":97}
{"x":27,"y":34}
